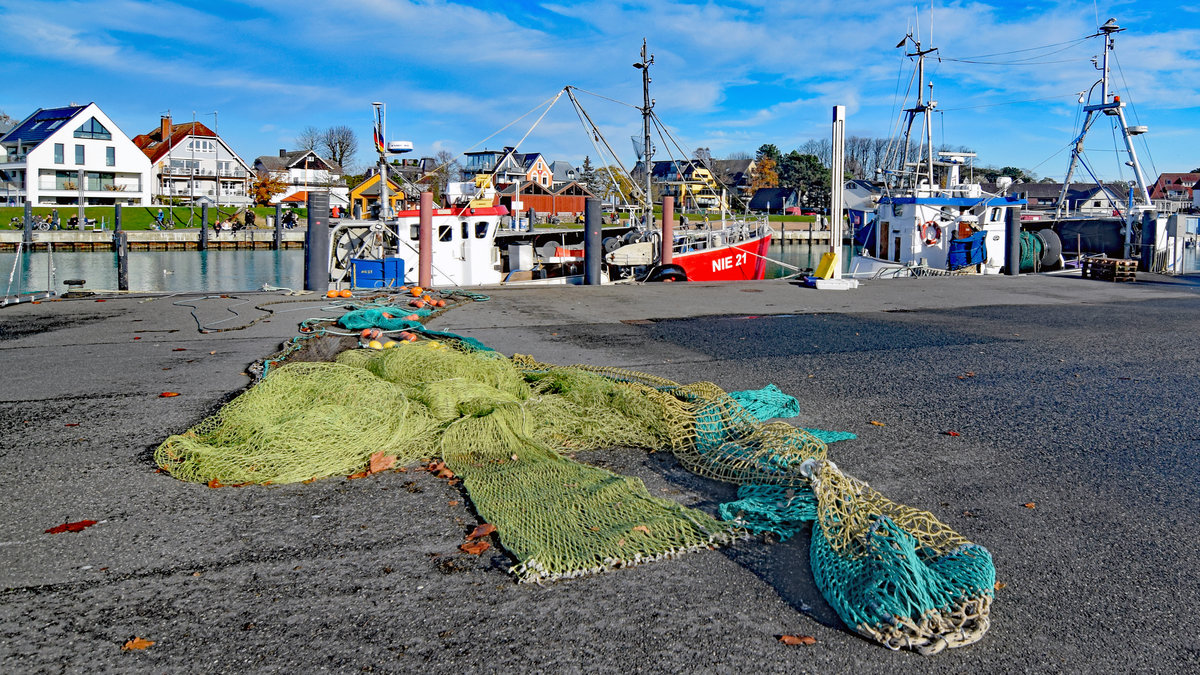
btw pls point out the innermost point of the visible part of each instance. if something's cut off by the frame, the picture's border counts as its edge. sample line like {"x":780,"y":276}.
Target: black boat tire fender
{"x":1051,"y":249}
{"x":667,"y":273}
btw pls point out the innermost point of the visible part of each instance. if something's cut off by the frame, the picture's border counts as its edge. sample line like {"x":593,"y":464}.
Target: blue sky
{"x":728,"y":76}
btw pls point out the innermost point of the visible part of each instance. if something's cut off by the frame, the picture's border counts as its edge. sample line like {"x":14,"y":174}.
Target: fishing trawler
{"x":928,"y":221}
{"x":733,"y":250}
{"x":475,"y":241}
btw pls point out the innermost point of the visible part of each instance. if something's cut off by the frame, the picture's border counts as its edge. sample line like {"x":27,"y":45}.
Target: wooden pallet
{"x":1110,"y":269}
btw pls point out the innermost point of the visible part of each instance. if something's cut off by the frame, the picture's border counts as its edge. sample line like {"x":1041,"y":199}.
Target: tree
{"x":805,"y":173}
{"x":340,"y":144}
{"x":308,"y":138}
{"x":590,"y":178}
{"x":764,"y":174}
{"x":615,"y":186}
{"x":768,"y":150}
{"x":442,"y":174}
{"x":704,"y":156}
{"x":6,"y":122}
{"x":738,"y":154}
{"x":265,"y":186}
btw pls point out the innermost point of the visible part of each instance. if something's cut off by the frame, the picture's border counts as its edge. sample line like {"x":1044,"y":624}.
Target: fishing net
{"x":505,"y":427}
{"x":895,"y":573}
{"x":307,"y":420}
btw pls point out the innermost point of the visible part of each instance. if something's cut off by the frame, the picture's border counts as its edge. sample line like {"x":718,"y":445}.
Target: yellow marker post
{"x":828,"y":263}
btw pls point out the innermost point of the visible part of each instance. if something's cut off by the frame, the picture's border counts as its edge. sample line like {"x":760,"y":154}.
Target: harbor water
{"x":157,"y":271}
{"x":225,"y":271}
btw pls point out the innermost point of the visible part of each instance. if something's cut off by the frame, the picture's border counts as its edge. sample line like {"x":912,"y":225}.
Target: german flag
{"x":378,"y":141}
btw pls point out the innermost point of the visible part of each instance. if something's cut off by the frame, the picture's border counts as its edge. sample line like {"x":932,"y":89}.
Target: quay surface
{"x":1074,"y":396}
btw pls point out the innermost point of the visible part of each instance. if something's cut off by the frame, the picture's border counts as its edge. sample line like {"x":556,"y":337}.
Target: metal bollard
{"x":28,"y":236}
{"x":122,"y":243}
{"x":316,"y":243}
{"x":278,"y":242}
{"x":203,"y":226}
{"x":593,"y":245}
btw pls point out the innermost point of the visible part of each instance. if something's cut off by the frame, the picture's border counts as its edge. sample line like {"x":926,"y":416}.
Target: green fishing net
{"x":507,"y":426}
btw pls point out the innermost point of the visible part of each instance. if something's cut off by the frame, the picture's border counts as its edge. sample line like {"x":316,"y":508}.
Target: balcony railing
{"x":204,"y":173}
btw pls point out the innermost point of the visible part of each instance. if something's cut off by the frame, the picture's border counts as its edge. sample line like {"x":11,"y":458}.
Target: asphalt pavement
{"x":1076,"y":465}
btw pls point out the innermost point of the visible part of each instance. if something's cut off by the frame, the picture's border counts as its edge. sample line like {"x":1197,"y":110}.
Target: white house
{"x":61,"y":156}
{"x":191,"y":164}
{"x":305,"y":171}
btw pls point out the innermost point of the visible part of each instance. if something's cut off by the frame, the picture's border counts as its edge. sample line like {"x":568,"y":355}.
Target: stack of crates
{"x":1110,"y":269}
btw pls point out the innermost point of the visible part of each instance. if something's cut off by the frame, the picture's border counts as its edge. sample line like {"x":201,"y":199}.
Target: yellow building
{"x":366,"y":194}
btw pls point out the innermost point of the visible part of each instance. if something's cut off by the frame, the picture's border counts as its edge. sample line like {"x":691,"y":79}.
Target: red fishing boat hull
{"x":745,"y":261}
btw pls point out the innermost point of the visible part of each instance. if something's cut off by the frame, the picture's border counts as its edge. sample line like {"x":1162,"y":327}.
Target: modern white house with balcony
{"x":72,"y":155}
{"x":192,"y":165}
{"x":305,"y":171}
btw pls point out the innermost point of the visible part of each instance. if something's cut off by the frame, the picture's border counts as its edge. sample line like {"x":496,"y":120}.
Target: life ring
{"x":931,"y":232}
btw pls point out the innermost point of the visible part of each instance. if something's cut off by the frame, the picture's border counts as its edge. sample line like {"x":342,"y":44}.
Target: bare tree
{"x":738,"y":154}
{"x":308,"y":138}
{"x":340,"y":144}
{"x":6,"y":122}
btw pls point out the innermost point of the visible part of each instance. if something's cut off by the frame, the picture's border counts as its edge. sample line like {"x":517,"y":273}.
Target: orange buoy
{"x":417,"y":303}
{"x":331,"y":294}
{"x":346,"y":293}
{"x":410,"y":338}
{"x":413,"y":317}
{"x":365,"y":334}
{"x":417,"y":291}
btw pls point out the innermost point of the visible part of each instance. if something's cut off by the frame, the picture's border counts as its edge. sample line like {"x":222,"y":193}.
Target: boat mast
{"x":648,"y":148}
{"x":923,"y":107}
{"x":1112,"y":108}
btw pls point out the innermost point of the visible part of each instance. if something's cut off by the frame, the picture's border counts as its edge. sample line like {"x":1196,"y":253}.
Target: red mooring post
{"x":668,"y":231}
{"x":425,"y":242}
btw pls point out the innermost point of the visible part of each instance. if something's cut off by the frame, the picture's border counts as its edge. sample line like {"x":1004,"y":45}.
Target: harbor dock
{"x":1073,"y":460}
{"x":152,"y":240}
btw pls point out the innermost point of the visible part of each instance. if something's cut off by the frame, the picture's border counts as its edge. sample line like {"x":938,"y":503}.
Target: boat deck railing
{"x":715,"y":235}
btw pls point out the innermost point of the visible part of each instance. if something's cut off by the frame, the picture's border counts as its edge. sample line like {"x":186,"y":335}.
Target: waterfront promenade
{"x":1078,"y":397}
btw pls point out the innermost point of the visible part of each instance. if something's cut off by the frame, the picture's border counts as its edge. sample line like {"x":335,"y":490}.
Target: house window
{"x":58,"y":153}
{"x":93,"y":129}
{"x":110,"y":156}
{"x":79,"y":154}
{"x":99,"y":181}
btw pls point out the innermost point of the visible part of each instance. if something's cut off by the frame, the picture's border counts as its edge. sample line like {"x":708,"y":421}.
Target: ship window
{"x":995,"y":215}
{"x":445,"y":233}
{"x":414,"y":232}
{"x":465,"y":229}
{"x":481,"y":229}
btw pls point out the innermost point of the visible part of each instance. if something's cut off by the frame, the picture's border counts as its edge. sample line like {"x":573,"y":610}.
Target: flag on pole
{"x":378,"y":131}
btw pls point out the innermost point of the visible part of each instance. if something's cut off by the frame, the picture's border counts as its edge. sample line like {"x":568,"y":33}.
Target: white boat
{"x":927,"y":220}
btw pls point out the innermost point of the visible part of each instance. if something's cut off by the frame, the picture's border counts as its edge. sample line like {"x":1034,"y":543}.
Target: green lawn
{"x":134,"y":217}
